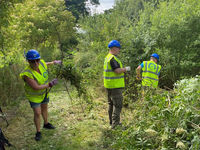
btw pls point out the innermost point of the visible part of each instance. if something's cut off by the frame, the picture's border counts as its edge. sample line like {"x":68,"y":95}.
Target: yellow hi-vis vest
{"x":150,"y":74}
{"x":111,"y":79}
{"x":36,"y":96}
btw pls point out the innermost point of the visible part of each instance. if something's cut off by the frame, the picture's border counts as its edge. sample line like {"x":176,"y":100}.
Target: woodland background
{"x":65,"y":30}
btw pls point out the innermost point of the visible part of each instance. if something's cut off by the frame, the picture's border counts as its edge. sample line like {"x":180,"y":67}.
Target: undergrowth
{"x":165,"y":120}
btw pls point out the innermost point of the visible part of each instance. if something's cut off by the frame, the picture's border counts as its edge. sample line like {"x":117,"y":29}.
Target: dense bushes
{"x":166,"y":120}
{"x":169,"y":28}
{"x":32,"y":24}
{"x":11,"y":86}
{"x":163,"y":120}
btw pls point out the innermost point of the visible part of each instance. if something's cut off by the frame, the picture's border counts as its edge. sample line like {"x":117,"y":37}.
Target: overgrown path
{"x":75,"y":129}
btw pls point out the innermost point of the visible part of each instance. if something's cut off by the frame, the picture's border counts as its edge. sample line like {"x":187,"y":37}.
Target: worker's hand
{"x":53,"y":82}
{"x":138,"y":77}
{"x":128,"y":68}
{"x":57,"y":62}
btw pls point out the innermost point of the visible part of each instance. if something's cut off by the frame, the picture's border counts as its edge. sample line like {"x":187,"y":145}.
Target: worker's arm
{"x":120,"y":70}
{"x":49,"y":63}
{"x":116,"y":67}
{"x":33,"y":84}
{"x":54,"y":62}
{"x":138,"y":74}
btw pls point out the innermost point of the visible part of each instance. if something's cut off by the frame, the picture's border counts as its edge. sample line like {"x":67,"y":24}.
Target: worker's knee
{"x":37,"y":112}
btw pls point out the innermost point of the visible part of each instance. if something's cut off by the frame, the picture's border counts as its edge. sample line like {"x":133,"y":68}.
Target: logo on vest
{"x":152,"y":66}
{"x":45,"y":74}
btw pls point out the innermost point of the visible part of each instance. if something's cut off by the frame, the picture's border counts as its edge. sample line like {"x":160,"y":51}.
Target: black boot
{"x":48,"y":126}
{"x":38,"y":136}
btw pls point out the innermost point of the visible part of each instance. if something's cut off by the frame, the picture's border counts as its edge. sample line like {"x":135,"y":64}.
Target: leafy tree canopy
{"x":78,"y":7}
{"x":36,"y":24}
{"x":169,"y":28}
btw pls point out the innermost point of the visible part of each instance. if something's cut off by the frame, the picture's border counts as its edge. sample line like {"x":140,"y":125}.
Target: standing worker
{"x":150,"y":72}
{"x":35,"y":76}
{"x":114,"y":82}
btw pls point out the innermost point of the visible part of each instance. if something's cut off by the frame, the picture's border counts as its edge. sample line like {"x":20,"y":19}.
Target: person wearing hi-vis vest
{"x":36,"y":86}
{"x":150,"y":72}
{"x":114,"y":82}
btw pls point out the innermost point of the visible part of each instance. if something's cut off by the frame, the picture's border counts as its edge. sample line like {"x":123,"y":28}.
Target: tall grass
{"x":11,"y":86}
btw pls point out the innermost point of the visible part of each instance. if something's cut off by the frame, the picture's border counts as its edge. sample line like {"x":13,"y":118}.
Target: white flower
{"x":180,"y":131}
{"x":180,"y":145}
{"x":151,"y":132}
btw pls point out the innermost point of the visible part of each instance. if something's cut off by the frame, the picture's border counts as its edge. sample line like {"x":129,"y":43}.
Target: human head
{"x":155,"y":57}
{"x":114,"y":47}
{"x":33,"y":57}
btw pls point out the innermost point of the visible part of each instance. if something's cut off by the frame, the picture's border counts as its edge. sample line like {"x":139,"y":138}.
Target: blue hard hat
{"x":155,"y":56}
{"x":114,"y":43}
{"x":32,"y":55}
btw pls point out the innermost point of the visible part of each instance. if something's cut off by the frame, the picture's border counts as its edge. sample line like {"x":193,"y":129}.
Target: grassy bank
{"x":162,"y":120}
{"x":76,"y":127}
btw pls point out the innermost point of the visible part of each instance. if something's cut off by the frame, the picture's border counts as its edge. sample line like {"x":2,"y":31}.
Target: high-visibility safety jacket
{"x":36,"y":96}
{"x":111,"y":79}
{"x":150,"y":74}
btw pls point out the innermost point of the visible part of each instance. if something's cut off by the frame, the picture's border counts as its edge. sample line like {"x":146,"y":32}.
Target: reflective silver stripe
{"x":151,"y":72}
{"x":34,"y":76}
{"x":31,"y":73}
{"x":28,"y":71}
{"x":114,"y":77}
{"x":145,"y":65}
{"x":157,"y":69}
{"x":149,"y":78}
{"x":43,"y":65}
{"x":32,"y":93}
{"x":108,"y":70}
{"x":107,"y":61}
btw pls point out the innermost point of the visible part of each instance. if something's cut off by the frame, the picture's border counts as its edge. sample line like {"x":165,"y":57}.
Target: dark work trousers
{"x":115,"y":99}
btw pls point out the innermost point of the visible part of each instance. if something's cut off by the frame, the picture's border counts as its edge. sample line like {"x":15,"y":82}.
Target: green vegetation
{"x":163,"y":120}
{"x":166,"y":119}
{"x":74,"y":129}
{"x":79,"y":8}
{"x":170,"y":29}
{"x":38,"y":24}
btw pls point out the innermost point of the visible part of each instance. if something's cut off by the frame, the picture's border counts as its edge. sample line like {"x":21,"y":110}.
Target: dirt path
{"x":75,"y":129}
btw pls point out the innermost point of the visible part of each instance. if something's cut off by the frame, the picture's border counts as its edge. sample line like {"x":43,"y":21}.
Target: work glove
{"x":128,"y":68}
{"x":53,"y":82}
{"x":57,"y":62}
{"x":138,"y":77}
